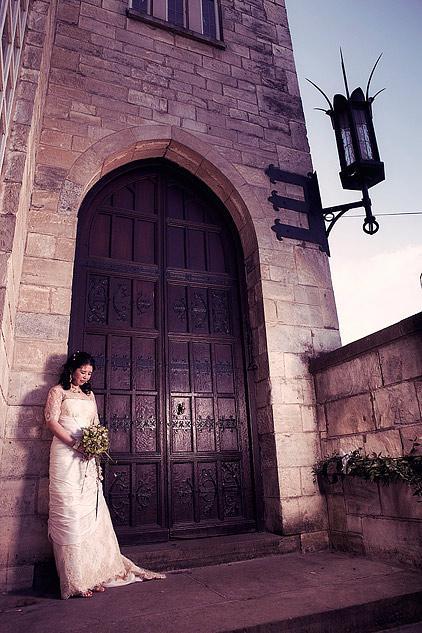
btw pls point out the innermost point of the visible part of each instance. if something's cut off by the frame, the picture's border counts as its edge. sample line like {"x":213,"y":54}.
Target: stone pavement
{"x":321,"y":592}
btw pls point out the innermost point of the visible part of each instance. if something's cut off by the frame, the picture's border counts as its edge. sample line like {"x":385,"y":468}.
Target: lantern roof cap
{"x":339,"y":101}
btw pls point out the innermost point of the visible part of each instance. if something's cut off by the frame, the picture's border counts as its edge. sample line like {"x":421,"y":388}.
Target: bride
{"x":85,"y":546}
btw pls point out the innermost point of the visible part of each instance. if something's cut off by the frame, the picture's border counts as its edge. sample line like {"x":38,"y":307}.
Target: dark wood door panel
{"x":158,"y":277}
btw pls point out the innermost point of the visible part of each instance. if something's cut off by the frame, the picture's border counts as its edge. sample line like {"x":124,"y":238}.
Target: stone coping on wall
{"x":410,"y":325}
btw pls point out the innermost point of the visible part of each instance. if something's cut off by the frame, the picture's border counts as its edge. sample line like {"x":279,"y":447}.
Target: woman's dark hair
{"x":78,"y":359}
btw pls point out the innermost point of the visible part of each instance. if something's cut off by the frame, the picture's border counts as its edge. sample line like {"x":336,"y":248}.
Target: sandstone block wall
{"x":20,"y":463}
{"x":107,"y":90}
{"x":369,"y":395}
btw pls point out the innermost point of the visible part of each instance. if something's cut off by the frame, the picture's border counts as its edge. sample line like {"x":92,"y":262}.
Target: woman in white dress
{"x":86,"y":550}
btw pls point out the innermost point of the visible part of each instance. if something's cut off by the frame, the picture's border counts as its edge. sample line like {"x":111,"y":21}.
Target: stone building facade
{"x":105,"y":89}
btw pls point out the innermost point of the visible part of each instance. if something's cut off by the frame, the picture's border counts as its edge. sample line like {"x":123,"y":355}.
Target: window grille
{"x":198,"y":16}
{"x":13,"y":15}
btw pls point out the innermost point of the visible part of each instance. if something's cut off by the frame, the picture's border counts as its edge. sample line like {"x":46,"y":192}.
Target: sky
{"x":376,"y":278}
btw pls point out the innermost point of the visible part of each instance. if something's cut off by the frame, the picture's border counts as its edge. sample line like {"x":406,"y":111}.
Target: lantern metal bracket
{"x":320,"y":221}
{"x":308,"y":204}
{"x":332,"y":214}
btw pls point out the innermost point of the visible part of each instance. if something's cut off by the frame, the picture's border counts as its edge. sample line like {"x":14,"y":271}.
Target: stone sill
{"x":179,"y":30}
{"x":410,"y":325}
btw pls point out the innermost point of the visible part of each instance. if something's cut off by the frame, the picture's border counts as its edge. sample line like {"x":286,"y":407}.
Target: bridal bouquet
{"x":96,"y":443}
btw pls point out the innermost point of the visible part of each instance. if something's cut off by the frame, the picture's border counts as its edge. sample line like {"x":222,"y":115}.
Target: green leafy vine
{"x":374,"y":467}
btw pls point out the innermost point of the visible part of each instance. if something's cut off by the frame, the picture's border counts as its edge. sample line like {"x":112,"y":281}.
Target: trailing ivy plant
{"x":374,"y":467}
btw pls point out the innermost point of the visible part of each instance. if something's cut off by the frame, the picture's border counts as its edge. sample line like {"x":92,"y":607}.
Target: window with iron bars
{"x":13,"y":15}
{"x":200,"y":17}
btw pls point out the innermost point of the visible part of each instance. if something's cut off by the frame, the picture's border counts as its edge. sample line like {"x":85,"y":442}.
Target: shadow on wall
{"x":24,"y":484}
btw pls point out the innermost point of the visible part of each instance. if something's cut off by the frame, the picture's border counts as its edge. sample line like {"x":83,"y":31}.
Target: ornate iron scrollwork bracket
{"x":332,"y":214}
{"x":310,"y":206}
{"x":180,"y":424}
{"x":120,"y":423}
{"x":205,"y":424}
{"x":228,"y":423}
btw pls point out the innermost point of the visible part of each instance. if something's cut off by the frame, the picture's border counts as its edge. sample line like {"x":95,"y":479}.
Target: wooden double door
{"x":157,"y":302}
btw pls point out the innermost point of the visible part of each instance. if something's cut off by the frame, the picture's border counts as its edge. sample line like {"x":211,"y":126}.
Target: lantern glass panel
{"x":363,"y":135}
{"x":346,"y":138}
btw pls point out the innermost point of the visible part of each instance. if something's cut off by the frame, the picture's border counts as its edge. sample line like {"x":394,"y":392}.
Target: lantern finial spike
{"x":344,"y":74}
{"x":370,"y":78}
{"x":371,"y":99}
{"x":323,"y":94}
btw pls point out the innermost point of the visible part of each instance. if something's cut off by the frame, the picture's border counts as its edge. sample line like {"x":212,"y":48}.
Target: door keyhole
{"x":180,"y":409}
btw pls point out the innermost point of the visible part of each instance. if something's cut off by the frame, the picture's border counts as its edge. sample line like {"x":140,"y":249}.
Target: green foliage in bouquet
{"x":95,"y":440}
{"x":374,"y":467}
{"x":96,"y":443}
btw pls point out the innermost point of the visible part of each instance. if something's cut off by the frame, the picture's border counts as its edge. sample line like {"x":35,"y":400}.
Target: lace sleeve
{"x":54,"y":404}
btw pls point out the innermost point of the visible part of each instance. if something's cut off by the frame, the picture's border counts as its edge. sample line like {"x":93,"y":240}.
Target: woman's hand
{"x":79,"y":448}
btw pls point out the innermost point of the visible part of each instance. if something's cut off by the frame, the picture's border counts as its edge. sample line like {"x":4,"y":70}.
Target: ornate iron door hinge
{"x":310,"y":206}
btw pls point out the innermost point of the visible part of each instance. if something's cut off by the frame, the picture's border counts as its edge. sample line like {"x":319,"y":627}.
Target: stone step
{"x":360,"y":618}
{"x":200,"y":552}
{"x":322,"y":592}
{"x":186,"y":553}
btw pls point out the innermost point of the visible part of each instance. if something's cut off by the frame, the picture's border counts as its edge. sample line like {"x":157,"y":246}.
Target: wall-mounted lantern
{"x":356,"y":142}
{"x":361,"y":167}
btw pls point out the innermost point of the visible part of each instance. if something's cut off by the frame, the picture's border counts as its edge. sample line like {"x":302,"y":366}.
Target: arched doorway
{"x":157,"y":299}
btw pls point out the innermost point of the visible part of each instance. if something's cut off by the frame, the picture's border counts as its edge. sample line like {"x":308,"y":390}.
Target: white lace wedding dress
{"x":85,"y":545}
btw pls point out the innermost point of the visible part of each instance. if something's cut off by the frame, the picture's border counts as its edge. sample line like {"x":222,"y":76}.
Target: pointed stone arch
{"x":178,"y":146}
{"x":171,"y":300}
{"x":201,"y":160}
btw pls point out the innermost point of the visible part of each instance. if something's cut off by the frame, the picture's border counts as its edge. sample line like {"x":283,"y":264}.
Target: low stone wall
{"x":369,"y":395}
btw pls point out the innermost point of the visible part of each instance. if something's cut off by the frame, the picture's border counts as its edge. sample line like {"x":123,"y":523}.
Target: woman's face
{"x":81,"y":375}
